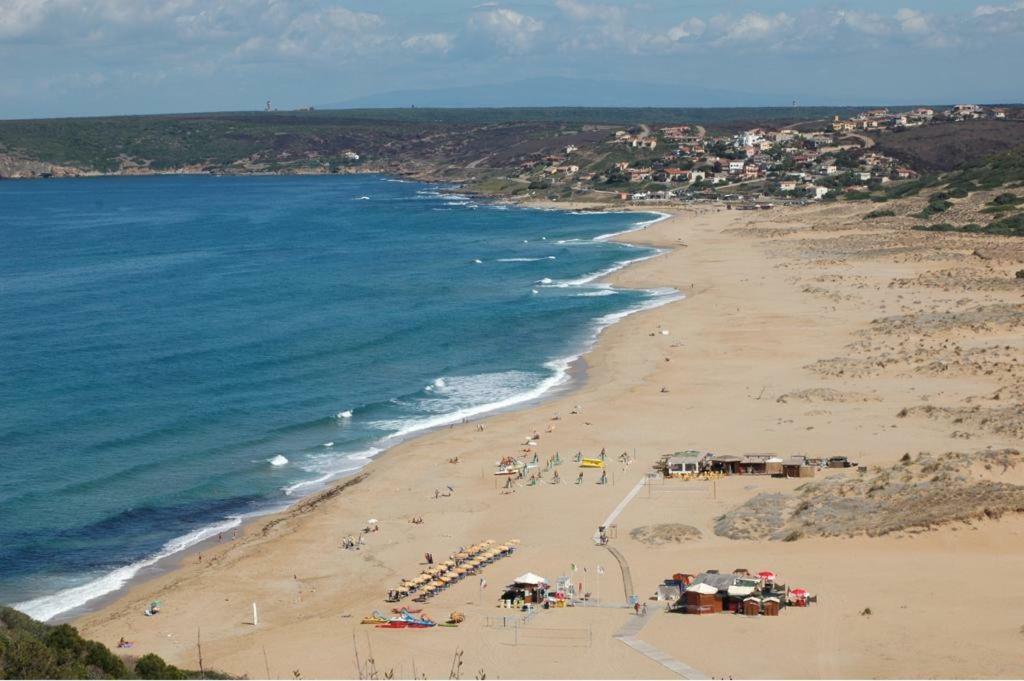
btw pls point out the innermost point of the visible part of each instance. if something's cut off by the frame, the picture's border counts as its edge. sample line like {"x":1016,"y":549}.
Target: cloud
{"x":863,"y":22}
{"x":429,"y":42}
{"x":751,"y":27}
{"x":690,"y":28}
{"x":989,"y":10}
{"x":511,"y":30}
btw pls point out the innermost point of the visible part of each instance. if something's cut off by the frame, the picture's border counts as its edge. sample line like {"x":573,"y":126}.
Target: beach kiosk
{"x":527,"y":589}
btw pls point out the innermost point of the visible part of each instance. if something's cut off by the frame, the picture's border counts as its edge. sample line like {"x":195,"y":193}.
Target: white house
{"x":736,"y":166}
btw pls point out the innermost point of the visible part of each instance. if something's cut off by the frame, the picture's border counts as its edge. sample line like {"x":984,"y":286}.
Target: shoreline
{"x":566,"y":380}
{"x":771,"y":299}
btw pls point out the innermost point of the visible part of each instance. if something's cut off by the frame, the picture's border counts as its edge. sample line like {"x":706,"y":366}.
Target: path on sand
{"x":629,"y":633}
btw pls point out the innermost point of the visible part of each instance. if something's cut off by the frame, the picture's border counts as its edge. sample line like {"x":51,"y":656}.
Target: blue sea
{"x":178,"y":353}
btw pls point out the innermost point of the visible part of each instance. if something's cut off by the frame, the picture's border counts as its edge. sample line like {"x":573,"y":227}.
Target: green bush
{"x":1006,"y":199}
{"x":879,"y":214}
{"x":934,"y":207}
{"x":33,"y":650}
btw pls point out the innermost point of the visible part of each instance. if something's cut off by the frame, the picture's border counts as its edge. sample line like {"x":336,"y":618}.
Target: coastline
{"x":768,"y":295}
{"x":569,"y":376}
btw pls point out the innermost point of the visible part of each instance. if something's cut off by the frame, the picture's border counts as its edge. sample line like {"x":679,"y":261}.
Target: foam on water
{"x":48,"y":607}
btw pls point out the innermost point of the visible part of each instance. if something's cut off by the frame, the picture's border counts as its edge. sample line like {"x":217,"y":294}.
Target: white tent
{"x":703,"y":588}
{"x":530,"y":579}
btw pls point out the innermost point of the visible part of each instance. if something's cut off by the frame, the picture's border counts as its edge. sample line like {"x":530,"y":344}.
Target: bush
{"x":33,"y":650}
{"x":1006,"y":199}
{"x":934,"y":207}
{"x":1020,"y":274}
{"x":880,"y":214}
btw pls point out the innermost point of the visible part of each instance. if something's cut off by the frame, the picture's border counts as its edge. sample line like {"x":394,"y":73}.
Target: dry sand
{"x":841,"y":319}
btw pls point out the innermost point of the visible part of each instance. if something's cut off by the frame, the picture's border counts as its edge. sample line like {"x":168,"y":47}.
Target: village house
{"x":787,"y":186}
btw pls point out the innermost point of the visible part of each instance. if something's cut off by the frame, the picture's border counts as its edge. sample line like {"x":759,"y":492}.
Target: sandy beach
{"x":802,"y":331}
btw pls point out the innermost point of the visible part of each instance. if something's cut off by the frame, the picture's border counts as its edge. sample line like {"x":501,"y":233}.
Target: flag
{"x":483,"y":583}
{"x":600,"y":570}
{"x":573,"y":566}
{"x":584,"y":568}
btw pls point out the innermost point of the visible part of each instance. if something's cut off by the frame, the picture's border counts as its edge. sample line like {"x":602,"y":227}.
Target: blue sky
{"x":88,"y":57}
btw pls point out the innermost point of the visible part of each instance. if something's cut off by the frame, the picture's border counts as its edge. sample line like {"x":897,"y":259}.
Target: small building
{"x":670,"y":592}
{"x":770,"y":606}
{"x":690,"y":462}
{"x":752,"y":606}
{"x":702,"y":599}
{"x":797,"y":467}
{"x":749,"y":464}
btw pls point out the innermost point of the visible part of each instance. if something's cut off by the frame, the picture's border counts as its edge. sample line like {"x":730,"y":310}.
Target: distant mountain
{"x":555,"y":91}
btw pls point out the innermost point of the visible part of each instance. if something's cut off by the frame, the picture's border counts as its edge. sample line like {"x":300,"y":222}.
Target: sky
{"x":101,"y":57}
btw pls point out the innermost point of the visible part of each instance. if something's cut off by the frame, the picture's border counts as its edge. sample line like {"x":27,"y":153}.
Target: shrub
{"x":1006,"y":199}
{"x":1020,"y":274}
{"x":879,"y":214}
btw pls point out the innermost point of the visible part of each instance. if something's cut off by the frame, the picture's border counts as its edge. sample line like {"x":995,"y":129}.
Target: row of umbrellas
{"x":467,"y":561}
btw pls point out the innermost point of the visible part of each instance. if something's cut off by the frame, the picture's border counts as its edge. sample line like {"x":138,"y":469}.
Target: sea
{"x":179,"y":353}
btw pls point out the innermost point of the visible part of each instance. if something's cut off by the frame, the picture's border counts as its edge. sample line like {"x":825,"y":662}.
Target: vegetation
{"x":33,"y":650}
{"x":879,"y":214}
{"x":934,"y":207}
{"x":1010,"y":226}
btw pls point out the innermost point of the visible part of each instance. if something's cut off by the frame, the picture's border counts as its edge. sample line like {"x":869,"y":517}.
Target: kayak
{"x":592,"y":463}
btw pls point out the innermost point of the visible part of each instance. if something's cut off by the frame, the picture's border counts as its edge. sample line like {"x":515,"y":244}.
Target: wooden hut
{"x":752,"y":606}
{"x":797,"y":467}
{"x":702,"y":599}
{"x":771,"y":606}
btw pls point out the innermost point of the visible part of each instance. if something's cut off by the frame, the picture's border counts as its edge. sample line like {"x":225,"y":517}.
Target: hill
{"x":299,"y":140}
{"x":947,"y":146}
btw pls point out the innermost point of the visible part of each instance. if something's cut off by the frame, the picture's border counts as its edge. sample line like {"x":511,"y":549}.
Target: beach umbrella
{"x":798,"y":592}
{"x":371,"y":521}
{"x":766,"y":575}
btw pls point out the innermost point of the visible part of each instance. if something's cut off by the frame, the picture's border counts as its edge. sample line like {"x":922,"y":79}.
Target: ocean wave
{"x":637,"y":226}
{"x":598,"y":293}
{"x":279,"y":460}
{"x":47,"y":607}
{"x":547,"y":257}
{"x":594,"y":276}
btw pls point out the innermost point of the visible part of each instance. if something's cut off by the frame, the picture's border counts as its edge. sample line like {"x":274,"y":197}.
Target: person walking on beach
{"x":636,"y":608}
{"x":643,"y":610}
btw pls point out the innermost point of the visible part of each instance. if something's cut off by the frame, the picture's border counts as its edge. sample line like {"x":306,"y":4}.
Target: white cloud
{"x":753,"y":26}
{"x":429,"y":42}
{"x":691,"y":28}
{"x":863,"y":22}
{"x":988,"y":10}
{"x":912,"y":21}
{"x":511,"y":30}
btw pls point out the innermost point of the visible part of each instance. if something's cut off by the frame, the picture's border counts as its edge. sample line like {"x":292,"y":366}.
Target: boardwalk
{"x":629,"y":633}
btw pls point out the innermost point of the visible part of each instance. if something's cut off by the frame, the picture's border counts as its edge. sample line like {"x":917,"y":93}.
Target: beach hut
{"x":682,"y":464}
{"x":752,"y":606}
{"x":760,"y":464}
{"x":702,"y":599}
{"x":528,"y":588}
{"x":797,"y":467}
{"x":771,"y":606}
{"x":725,"y":463}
